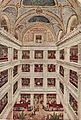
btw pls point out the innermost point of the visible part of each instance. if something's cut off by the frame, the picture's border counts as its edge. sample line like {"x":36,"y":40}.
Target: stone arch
{"x":39,"y":18}
{"x":35,"y":25}
{"x":5,"y":23}
{"x":45,"y":13}
{"x":72,"y":23}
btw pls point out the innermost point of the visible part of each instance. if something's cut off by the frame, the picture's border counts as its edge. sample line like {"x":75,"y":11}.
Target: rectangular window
{"x":3,"y":102}
{"x":38,"y":68}
{"x":62,"y":57}
{"x":61,"y":87}
{"x":3,"y":53}
{"x":15,"y":54}
{"x":51,"y":68}
{"x":25,"y":54}
{"x":74,"y":54}
{"x":3,"y":77}
{"x":51,"y":54}
{"x":38,"y":54}
{"x":26,"y":68}
{"x":38,"y":38}
{"x":73,"y":78}
{"x":61,"y":70}
{"x":51,"y":82}
{"x":15,"y":71}
{"x":38,"y":82}
{"x":26,"y":82}
{"x":15,"y":87}
{"x":73,"y":103}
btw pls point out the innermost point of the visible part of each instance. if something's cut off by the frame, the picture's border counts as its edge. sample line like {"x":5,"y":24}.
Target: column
{"x":66,"y":93}
{"x":57,"y":55}
{"x":45,"y":76}
{"x":10,"y":95}
{"x":10,"y":79}
{"x":66,"y":81}
{"x":45,"y":100}
{"x":32,"y":77}
{"x":57,"y":78}
{"x":20,"y":69}
{"x":57,"y":99}
{"x":66,"y":75}
{"x":32,"y":69}
{"x":67,"y":54}
{"x":31,"y":83}
{"x":45,"y":54}
{"x":10,"y":54}
{"x":32,"y":54}
{"x":20,"y":54}
{"x":32,"y":100}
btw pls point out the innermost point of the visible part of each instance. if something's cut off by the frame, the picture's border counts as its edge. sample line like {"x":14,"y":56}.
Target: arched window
{"x":72,"y":23}
{"x":39,"y":19}
{"x":4,"y":24}
{"x":39,"y":2}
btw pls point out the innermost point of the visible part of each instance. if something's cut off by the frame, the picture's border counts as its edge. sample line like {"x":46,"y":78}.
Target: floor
{"x":41,"y":114}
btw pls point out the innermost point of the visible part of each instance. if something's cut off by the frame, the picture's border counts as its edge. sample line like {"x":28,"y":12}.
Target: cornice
{"x":10,"y":37}
{"x":69,"y":35}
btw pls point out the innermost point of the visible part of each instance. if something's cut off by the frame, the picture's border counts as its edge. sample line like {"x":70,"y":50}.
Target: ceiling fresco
{"x":39,"y":2}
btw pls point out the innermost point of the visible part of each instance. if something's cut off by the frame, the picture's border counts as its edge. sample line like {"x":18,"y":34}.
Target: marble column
{"x":32,"y":54}
{"x":32,"y":77}
{"x":45,"y":55}
{"x":45,"y":76}
{"x":10,"y":79}
{"x":66,"y":93}
{"x":57,"y":99}
{"x":57,"y":78}
{"x":10,"y":93}
{"x":57,"y":54}
{"x":10,"y":54}
{"x":67,"y":54}
{"x":66,"y":81}
{"x":32,"y":99}
{"x":20,"y":54}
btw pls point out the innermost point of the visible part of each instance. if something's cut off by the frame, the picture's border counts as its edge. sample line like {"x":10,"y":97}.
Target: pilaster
{"x":32,"y":99}
{"x":32,"y":54}
{"x":10,"y":54}
{"x":45,"y":100}
{"x":67,"y":54}
{"x":45,"y":76}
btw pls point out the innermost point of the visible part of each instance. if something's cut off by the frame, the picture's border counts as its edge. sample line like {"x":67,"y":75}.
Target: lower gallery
{"x":40,"y":60}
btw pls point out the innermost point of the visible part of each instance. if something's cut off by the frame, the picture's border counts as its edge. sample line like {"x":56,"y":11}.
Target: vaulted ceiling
{"x":60,"y":16}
